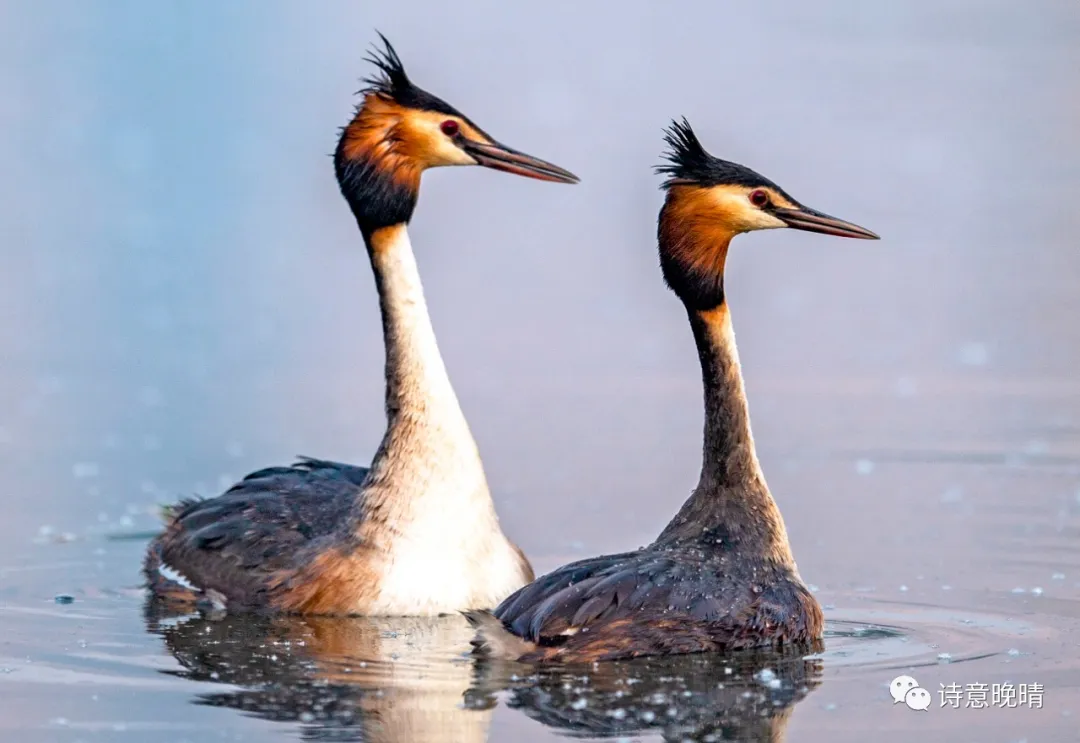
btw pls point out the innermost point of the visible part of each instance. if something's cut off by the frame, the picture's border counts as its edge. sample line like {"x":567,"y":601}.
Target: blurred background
{"x":184,"y":297}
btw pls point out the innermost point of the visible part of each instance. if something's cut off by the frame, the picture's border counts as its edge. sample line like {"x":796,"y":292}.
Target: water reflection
{"x":747,"y":697}
{"x":184,"y":300}
{"x":409,"y":679}
{"x":370,"y":679}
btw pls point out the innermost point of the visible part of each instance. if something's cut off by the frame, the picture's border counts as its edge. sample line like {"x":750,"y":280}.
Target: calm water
{"x":184,"y":298}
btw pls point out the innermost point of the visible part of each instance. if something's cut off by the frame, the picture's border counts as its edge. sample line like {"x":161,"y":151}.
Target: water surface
{"x":184,"y":299}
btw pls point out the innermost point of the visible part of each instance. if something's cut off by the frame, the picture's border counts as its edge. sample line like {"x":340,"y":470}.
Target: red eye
{"x":759,"y":198}
{"x":449,"y":127}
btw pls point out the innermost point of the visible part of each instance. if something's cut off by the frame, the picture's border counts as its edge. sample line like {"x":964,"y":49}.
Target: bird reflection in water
{"x":341,"y":678}
{"x":389,"y":680}
{"x":747,"y":696}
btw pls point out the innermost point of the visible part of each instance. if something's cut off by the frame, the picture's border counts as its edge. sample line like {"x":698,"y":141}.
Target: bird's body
{"x":721,"y":575}
{"x":660,"y":600}
{"x":416,"y":533}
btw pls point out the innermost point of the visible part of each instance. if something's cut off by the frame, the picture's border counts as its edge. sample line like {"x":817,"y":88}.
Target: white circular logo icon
{"x":907,"y":690}
{"x":917,"y":698}
{"x":900,"y":686}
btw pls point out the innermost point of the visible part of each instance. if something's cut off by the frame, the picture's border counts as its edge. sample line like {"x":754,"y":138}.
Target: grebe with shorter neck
{"x":721,"y":575}
{"x":415,"y":533}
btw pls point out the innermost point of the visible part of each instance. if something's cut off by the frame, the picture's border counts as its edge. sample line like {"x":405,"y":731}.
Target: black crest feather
{"x":685,"y":154}
{"x":689,"y":163}
{"x":391,"y":78}
{"x":391,"y":82}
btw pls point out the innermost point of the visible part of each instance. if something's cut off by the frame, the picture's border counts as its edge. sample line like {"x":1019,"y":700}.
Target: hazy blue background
{"x":184,"y":296}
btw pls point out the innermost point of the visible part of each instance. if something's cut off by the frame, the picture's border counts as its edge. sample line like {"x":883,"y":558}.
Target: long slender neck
{"x":729,"y":460}
{"x":731,"y":507}
{"x":417,"y":385}
{"x":428,"y":454}
{"x":428,"y":448}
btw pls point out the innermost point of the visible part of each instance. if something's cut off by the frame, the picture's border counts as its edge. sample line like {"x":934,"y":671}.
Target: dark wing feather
{"x":233,"y":542}
{"x":646,"y":634}
{"x":605,"y":589}
{"x":518,"y":609}
{"x":784,"y":614}
{"x":683,"y":587}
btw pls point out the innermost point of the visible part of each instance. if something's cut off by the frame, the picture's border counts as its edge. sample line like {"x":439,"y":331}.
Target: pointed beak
{"x":812,"y":220}
{"x":501,"y":157}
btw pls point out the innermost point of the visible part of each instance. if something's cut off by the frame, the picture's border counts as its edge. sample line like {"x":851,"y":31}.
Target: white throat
{"x":427,"y":433}
{"x":417,"y":385}
{"x":426,"y":503}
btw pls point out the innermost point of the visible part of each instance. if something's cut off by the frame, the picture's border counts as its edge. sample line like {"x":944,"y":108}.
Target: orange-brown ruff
{"x":376,"y":133}
{"x":721,"y":575}
{"x":415,"y":533}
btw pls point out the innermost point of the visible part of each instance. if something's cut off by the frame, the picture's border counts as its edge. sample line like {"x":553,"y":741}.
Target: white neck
{"x":417,"y":385}
{"x":428,"y":444}
{"x":425,"y":509}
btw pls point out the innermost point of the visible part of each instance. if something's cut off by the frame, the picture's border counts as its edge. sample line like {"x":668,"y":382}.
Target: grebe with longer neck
{"x":415,"y":533}
{"x":721,"y":575}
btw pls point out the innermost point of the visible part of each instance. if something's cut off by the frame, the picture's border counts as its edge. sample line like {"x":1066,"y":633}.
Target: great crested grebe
{"x":416,"y":533}
{"x":721,"y":575}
